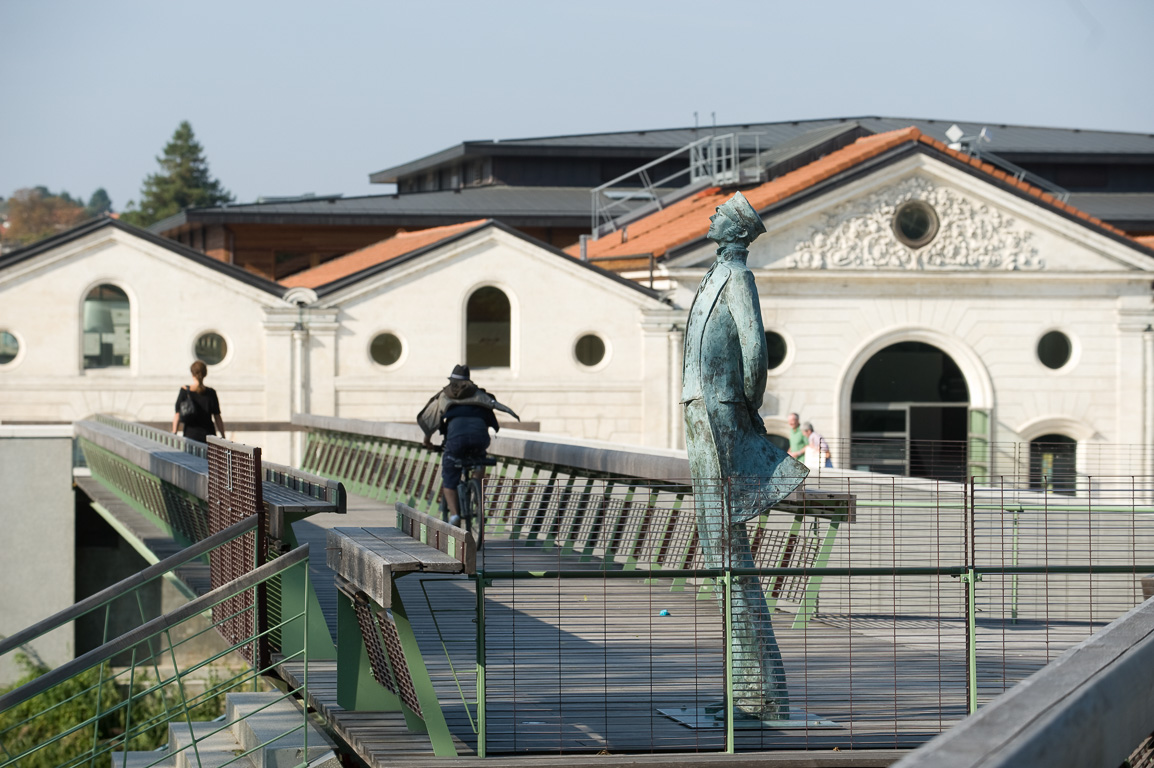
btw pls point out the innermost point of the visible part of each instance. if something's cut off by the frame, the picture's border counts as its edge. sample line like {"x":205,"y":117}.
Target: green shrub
{"x":49,"y":723}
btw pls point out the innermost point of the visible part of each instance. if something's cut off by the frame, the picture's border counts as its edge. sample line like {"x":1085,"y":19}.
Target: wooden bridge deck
{"x":568,"y":675}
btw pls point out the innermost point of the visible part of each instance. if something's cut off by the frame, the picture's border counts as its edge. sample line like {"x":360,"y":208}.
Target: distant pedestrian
{"x":197,"y":408}
{"x":797,"y":441}
{"x":817,"y":453}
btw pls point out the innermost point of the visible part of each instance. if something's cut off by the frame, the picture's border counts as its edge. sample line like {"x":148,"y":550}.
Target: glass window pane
{"x":1054,"y":349}
{"x":386,"y":349}
{"x":590,"y":349}
{"x":9,"y":346}
{"x":775,"y":349}
{"x":211,"y":348}
{"x":106,"y":328}
{"x":487,"y":329}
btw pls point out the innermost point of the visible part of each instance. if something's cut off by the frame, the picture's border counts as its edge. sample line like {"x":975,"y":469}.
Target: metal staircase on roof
{"x":712,"y":161}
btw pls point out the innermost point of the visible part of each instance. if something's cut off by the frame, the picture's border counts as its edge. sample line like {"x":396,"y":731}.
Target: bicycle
{"x":469,"y":498}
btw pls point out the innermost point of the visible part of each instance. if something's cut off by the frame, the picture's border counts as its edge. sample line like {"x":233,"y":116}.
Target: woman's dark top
{"x":199,"y":426}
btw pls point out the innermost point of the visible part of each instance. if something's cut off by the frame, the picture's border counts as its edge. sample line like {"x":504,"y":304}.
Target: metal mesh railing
{"x":87,"y":711}
{"x":152,"y":433}
{"x":234,"y":494}
{"x":1064,"y":468}
{"x":896,"y":617}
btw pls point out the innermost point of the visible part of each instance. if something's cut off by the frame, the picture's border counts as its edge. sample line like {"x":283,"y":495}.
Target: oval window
{"x":1054,"y":349}
{"x":775,"y":349}
{"x":9,"y":347}
{"x":386,"y":349}
{"x":590,"y":349}
{"x":211,"y":348}
{"x":915,"y":223}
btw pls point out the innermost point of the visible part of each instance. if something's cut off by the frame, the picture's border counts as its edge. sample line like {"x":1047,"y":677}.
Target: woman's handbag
{"x":187,"y":406}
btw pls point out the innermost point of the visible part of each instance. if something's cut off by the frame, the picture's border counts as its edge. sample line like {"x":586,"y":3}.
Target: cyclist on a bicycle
{"x":463,"y":413}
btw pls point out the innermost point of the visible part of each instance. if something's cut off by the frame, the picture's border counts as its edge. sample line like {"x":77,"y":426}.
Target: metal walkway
{"x":573,"y":710}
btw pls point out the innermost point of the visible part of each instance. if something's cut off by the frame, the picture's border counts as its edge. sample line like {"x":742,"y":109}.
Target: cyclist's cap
{"x":460,"y":372}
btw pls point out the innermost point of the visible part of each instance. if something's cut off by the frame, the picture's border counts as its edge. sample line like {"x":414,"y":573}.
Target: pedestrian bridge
{"x":586,"y":629}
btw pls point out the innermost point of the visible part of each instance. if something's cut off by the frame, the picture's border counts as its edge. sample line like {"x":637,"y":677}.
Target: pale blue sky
{"x":290,"y":97}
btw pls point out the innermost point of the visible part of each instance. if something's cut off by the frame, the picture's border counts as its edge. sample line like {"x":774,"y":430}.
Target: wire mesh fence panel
{"x":1054,"y":568}
{"x":234,"y":493}
{"x":577,"y":665}
{"x":897,"y":604}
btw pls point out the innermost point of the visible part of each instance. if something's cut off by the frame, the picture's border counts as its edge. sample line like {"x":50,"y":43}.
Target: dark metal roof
{"x":1118,"y":208}
{"x":516,"y":206}
{"x":93,"y":225}
{"x":1015,"y":140}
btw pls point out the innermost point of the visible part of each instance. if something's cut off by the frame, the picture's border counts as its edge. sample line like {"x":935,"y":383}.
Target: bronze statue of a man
{"x":737,"y":472}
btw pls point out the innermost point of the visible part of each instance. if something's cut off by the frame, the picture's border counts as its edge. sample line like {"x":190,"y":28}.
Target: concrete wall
{"x":37,"y":571}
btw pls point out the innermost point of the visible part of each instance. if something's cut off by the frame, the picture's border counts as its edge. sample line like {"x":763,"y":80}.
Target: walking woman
{"x":197,"y":408}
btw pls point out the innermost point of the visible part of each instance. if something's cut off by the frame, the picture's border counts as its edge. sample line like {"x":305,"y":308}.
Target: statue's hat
{"x":738,"y":210}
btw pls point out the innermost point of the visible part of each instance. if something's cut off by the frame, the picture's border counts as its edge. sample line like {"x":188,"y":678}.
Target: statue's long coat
{"x":723,"y":386}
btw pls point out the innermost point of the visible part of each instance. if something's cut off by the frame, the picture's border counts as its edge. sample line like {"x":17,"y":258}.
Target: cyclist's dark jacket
{"x":468,"y":425}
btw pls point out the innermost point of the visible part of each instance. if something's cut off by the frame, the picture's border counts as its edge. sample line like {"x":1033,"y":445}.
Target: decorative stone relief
{"x":859,"y":235}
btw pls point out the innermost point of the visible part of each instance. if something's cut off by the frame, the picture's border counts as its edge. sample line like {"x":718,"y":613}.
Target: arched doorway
{"x":1053,"y":462}
{"x":909,"y":414}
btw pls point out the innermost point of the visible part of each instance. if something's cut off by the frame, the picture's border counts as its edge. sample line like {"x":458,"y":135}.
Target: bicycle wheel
{"x":471,"y":501}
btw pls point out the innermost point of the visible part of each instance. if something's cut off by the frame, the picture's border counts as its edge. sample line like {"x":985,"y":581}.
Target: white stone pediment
{"x":982,"y":228}
{"x":972,"y":234}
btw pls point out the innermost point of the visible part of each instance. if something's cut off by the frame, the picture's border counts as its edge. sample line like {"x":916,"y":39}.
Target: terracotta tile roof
{"x":377,"y":253}
{"x":688,"y":219}
{"x":1146,"y":240}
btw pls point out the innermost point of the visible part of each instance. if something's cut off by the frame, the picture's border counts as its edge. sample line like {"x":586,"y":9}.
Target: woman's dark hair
{"x":199,"y":369}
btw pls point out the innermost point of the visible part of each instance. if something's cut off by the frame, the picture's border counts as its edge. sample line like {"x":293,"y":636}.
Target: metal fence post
{"x":727,"y":587}
{"x":481,"y":719}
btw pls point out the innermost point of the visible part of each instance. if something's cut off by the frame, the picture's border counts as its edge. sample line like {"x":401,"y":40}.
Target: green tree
{"x":99,"y":204}
{"x":183,"y":182}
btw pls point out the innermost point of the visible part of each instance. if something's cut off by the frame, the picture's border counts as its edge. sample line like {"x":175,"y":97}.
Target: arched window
{"x":106,"y":323}
{"x":487,"y":329}
{"x":1053,"y":459}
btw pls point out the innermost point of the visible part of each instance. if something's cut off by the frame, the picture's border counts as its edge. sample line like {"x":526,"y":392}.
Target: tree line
{"x":183,"y":181}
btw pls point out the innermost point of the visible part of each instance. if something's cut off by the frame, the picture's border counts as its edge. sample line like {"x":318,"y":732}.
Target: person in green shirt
{"x":797,"y":440}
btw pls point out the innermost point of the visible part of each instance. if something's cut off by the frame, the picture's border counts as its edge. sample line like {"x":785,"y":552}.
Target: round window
{"x":211,"y":348}
{"x":9,"y":347}
{"x":590,"y":349}
{"x":386,"y":349}
{"x":915,"y":223}
{"x":1054,"y":349}
{"x":775,"y":349}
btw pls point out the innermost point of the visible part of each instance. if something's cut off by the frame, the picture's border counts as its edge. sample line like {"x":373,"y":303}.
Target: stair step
{"x":143,"y":760}
{"x":213,"y":751}
{"x":276,"y":715}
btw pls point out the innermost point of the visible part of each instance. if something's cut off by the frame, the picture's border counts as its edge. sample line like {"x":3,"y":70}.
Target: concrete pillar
{"x":37,"y":550}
